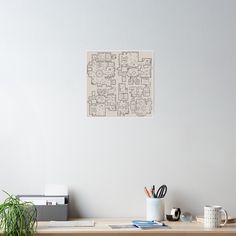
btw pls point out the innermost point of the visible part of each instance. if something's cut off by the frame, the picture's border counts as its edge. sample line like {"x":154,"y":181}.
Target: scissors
{"x":161,"y":192}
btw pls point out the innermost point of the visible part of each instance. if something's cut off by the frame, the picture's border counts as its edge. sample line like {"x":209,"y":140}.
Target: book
{"x":231,"y":220}
{"x":146,"y":224}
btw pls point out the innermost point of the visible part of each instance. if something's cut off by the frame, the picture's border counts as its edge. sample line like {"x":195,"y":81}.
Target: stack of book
{"x":231,"y":219}
{"x":146,"y":224}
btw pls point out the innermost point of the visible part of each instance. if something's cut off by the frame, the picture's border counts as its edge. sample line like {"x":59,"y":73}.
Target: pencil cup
{"x":155,"y":209}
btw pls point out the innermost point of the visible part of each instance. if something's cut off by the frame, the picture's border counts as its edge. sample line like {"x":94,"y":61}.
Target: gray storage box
{"x":51,"y":212}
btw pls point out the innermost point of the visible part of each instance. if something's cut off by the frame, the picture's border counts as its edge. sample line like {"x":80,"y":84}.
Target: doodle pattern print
{"x":119,"y":83}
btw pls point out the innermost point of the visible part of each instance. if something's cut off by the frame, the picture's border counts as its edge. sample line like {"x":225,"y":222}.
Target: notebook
{"x":231,"y":219}
{"x":145,"y":224}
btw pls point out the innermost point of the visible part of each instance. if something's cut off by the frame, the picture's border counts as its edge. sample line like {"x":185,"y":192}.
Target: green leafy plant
{"x":17,"y":218}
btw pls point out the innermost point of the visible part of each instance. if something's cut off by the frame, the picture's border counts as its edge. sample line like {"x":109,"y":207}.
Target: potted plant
{"x":17,"y":218}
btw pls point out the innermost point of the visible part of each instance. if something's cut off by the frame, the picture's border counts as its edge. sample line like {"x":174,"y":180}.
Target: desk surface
{"x":102,"y":228}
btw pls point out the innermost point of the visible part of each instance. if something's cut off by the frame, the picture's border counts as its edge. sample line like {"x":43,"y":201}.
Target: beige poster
{"x":119,"y":83}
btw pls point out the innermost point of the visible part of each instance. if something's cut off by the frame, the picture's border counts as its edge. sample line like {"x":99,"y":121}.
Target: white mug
{"x":155,"y":209}
{"x":213,"y":216}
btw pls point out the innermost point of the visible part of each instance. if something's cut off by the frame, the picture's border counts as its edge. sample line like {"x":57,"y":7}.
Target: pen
{"x":153,"y":190}
{"x":147,"y":192}
{"x":150,"y":191}
{"x":160,"y":223}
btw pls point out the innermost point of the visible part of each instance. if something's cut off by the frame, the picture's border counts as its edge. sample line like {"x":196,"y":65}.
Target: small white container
{"x":155,"y":209}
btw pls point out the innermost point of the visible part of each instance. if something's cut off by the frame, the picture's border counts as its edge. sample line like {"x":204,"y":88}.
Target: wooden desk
{"x":102,"y":228}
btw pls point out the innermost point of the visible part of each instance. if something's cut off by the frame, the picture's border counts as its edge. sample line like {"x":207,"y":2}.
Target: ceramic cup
{"x":213,"y":216}
{"x":155,"y":209}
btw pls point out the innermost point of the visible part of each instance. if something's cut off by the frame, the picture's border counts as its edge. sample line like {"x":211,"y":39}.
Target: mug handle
{"x":226,"y":217}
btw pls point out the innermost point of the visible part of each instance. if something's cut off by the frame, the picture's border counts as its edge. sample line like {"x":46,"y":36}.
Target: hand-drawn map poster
{"x":120,"y":83}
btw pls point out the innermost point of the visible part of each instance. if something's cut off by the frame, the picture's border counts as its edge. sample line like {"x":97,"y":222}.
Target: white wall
{"x":46,"y":137}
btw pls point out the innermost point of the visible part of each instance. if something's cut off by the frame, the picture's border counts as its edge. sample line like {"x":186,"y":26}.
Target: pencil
{"x":147,"y":192}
